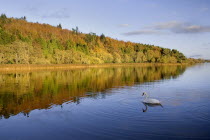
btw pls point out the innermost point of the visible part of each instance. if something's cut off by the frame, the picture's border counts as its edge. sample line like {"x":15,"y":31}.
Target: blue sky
{"x":177,"y":24}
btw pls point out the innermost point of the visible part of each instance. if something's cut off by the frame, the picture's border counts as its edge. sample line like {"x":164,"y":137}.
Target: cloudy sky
{"x":178,"y":24}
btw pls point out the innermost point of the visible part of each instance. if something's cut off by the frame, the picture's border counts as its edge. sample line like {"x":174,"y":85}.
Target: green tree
{"x":59,"y":26}
{"x":102,"y":38}
{"x":117,"y":58}
{"x":6,"y":38}
{"x":166,"y":51}
{"x":3,"y":16}
{"x":140,"y":57}
{"x":76,"y":30}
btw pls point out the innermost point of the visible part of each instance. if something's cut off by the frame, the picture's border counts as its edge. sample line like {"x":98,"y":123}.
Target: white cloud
{"x":173,"y":27}
{"x":60,"y":13}
{"x":124,"y":25}
{"x":204,"y":9}
{"x":141,"y":32}
{"x":166,"y":25}
{"x":196,"y":56}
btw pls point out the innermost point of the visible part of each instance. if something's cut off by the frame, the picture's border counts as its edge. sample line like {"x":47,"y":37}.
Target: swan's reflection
{"x":150,"y":105}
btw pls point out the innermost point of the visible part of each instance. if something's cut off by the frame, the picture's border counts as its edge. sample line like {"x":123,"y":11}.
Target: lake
{"x":106,"y":103}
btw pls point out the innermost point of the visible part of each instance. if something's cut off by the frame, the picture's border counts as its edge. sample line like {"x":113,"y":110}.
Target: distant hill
{"x":23,"y":42}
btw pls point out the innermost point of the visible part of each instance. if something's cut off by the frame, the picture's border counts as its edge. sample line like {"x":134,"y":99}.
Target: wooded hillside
{"x":23,"y":42}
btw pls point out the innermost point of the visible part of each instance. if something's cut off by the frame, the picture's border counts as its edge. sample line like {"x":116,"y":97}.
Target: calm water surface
{"x":106,"y":103}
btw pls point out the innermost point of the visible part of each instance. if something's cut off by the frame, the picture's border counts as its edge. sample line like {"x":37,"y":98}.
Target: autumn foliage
{"x":23,"y":42}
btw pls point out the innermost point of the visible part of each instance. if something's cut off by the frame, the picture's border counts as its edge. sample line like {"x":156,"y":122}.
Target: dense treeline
{"x":26,"y":91}
{"x":23,"y":42}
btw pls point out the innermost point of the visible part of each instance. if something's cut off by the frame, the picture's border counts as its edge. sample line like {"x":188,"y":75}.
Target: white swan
{"x":148,"y":100}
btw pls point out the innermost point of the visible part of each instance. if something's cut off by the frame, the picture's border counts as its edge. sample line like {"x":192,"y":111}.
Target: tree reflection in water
{"x":22,"y":92}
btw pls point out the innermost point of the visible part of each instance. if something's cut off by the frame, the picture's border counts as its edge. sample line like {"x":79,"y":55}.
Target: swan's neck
{"x":146,"y":96}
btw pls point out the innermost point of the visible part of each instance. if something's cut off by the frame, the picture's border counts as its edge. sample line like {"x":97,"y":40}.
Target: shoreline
{"x":23,"y":67}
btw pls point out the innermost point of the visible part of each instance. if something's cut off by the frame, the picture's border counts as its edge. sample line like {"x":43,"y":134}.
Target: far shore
{"x":26,"y":67}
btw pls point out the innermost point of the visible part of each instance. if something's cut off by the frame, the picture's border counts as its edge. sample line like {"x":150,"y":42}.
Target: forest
{"x":23,"y":42}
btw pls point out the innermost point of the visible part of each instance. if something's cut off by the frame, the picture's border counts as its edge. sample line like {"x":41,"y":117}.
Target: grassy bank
{"x":21,"y":67}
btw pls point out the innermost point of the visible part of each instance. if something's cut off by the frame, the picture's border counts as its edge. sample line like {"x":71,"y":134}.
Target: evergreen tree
{"x":59,"y":26}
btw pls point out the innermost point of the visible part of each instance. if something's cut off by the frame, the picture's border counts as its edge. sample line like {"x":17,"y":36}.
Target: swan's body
{"x":151,"y":101}
{"x":148,"y":100}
